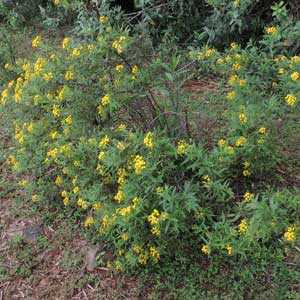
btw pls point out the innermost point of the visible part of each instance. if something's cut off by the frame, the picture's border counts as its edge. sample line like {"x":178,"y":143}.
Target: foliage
{"x":105,"y":128}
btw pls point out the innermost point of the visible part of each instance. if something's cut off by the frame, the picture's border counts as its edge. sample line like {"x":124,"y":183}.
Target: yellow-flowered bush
{"x":103,"y":131}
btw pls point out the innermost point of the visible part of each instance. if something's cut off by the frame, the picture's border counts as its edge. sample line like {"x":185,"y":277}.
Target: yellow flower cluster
{"x":139,"y":164}
{"x":243,"y":118}
{"x":205,"y":249}
{"x":103,"y":19}
{"x":81,"y":203}
{"x":65,"y":43}
{"x":118,"y":44}
{"x":105,"y":100}
{"x":243,"y":226}
{"x":290,"y":99}
{"x":229,"y":249}
{"x":89,"y":221}
{"x":119,"y":68}
{"x":148,"y":140}
{"x":271,"y":30}
{"x":35,"y":198}
{"x":58,"y":180}
{"x":154,"y":219}
{"x":248,"y":196}
{"x":241,"y":141}
{"x":295,"y":76}
{"x":36,"y":41}
{"x":206,"y":181}
{"x":119,"y":197}
{"x":182,"y":147}
{"x":230,"y":95}
{"x":103,"y":143}
{"x":262,"y":130}
{"x":155,"y":254}
{"x":290,"y":234}
{"x":69,"y":75}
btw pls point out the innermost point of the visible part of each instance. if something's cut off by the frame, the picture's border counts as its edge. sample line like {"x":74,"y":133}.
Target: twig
{"x":3,"y":249}
{"x":297,"y":248}
{"x":85,"y":296}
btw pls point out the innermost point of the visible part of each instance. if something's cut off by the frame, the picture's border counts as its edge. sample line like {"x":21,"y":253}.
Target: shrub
{"x":104,"y":127}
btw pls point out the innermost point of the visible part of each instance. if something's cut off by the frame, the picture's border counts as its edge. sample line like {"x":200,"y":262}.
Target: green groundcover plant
{"x":103,"y":126}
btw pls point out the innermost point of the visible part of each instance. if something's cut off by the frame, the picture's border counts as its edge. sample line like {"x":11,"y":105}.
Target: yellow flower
{"x":48,"y":76}
{"x":290,"y":99}
{"x":230,"y":149}
{"x":243,"y":226}
{"x":246,"y":164}
{"x":236,"y":66}
{"x":65,"y":43}
{"x":246,"y":173}
{"x":119,"y":197}
{"x":290,"y":234}
{"x":66,"y":201}
{"x":295,"y":76}
{"x":135,"y":69}
{"x":69,"y":75}
{"x":81,"y":203}
{"x":102,"y":19}
{"x":242,"y":82}
{"x":281,"y":71}
{"x":148,"y":140}
{"x":230,"y":95}
{"x":233,"y":46}
{"x":248,"y":196}
{"x":76,"y":52}
{"x":125,"y":237}
{"x":89,"y":221}
{"x":155,"y":254}
{"x":101,"y":155}
{"x":153,"y":219}
{"x":58,"y":181}
{"x":137,"y":249}
{"x":271,"y":30}
{"x":121,"y":127}
{"x":236,"y":3}
{"x":210,"y":52}
{"x":35,"y":198}
{"x":243,"y":118}
{"x":232,"y":79}
{"x":53,"y":134}
{"x":121,"y":146}
{"x":262,"y":130}
{"x":75,"y":189}
{"x":56,"y":2}
{"x":229,"y":249}
{"x":205,"y":249}
{"x":68,"y":120}
{"x":64,"y":193}
{"x":207,"y":181}
{"x":23,"y":182}
{"x":155,"y":231}
{"x":222,"y":142}
{"x":105,"y":100}
{"x":139,"y":164}
{"x":105,"y":140}
{"x":96,"y":206}
{"x":37,"y":40}
{"x":241,"y":140}
{"x":182,"y":147}
{"x":119,"y":68}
